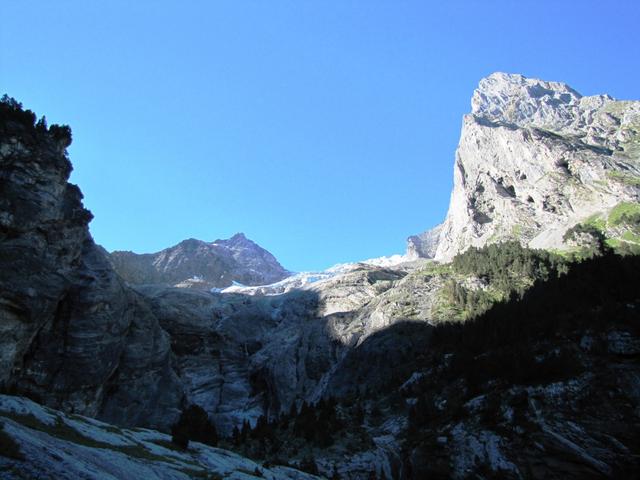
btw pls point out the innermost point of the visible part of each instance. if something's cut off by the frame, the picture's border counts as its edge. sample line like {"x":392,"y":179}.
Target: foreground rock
{"x":72,"y":334}
{"x":534,"y":159}
{"x":53,"y":445}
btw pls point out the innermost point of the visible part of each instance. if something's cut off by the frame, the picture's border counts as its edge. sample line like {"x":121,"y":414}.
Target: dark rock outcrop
{"x":73,"y":335}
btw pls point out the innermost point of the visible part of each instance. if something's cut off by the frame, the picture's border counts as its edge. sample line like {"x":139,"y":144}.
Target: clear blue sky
{"x":324,"y":130}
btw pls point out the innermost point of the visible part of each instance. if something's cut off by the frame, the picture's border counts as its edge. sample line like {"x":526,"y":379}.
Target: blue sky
{"x":324,"y":130}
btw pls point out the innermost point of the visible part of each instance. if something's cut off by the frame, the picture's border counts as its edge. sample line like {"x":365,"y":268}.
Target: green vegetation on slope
{"x":618,"y":230}
{"x":625,"y":178}
{"x":625,"y":213}
{"x":483,"y":276}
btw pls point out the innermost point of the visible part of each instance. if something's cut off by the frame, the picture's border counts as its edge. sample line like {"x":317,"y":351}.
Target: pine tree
{"x":235,"y":436}
{"x":246,"y":430}
{"x":308,"y":464}
{"x":194,"y":424}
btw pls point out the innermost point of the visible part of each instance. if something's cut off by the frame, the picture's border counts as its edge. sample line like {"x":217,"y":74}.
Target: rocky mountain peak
{"x":202,"y":265}
{"x":237,"y":241}
{"x":512,"y":98}
{"x":237,"y":238}
{"x":191,"y":244}
{"x":534,"y":159}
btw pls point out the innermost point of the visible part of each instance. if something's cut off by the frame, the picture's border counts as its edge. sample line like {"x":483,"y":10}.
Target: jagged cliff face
{"x":71,"y":334}
{"x":202,"y":265}
{"x":535,"y":158}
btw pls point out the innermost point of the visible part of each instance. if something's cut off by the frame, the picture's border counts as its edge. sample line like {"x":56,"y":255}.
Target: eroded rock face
{"x":72,"y":334}
{"x":76,"y":337}
{"x":202,"y":265}
{"x":535,"y":158}
{"x":424,"y":245}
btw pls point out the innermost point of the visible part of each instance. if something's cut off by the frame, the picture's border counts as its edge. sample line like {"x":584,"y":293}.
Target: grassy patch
{"x":516,"y":231}
{"x":631,"y":237}
{"x":618,"y":107}
{"x":253,"y":473}
{"x":620,"y":228}
{"x":597,"y":221}
{"x":617,"y":214}
{"x":58,"y":430}
{"x":112,"y":429}
{"x":625,"y":178}
{"x":169,"y":445}
{"x":193,"y":473}
{"x":435,"y":268}
{"x":63,"y":431}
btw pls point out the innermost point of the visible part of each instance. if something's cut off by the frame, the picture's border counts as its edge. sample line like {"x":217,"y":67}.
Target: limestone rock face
{"x":535,"y":158}
{"x":424,"y":245}
{"x":240,"y":356}
{"x":72,"y":334}
{"x":202,"y":265}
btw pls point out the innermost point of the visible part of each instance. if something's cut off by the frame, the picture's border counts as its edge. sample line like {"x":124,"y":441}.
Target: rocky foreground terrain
{"x":495,"y":361}
{"x":57,"y":446}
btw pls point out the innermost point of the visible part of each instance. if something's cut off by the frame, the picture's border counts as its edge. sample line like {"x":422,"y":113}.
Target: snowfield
{"x":305,"y":280}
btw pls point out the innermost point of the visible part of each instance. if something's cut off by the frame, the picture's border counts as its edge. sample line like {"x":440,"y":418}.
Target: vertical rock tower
{"x":534,"y":159}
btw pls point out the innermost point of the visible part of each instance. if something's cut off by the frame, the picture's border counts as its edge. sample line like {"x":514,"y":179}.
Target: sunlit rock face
{"x":71,"y":334}
{"x":240,"y":356}
{"x":202,"y":265}
{"x":535,"y":158}
{"x":424,"y":245}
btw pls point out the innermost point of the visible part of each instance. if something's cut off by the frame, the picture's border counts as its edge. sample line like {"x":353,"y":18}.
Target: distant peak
{"x":516,"y":99}
{"x":190,"y":241}
{"x":239,"y":239}
{"x":189,"y":244}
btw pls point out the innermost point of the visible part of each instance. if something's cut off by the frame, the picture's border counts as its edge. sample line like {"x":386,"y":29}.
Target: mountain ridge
{"x":194,"y":263}
{"x":260,"y":359}
{"x":535,"y":158}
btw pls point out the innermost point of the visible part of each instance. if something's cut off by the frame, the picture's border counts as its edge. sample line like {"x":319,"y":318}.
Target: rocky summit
{"x":535,"y":158}
{"x":202,"y":265}
{"x":475,"y":355}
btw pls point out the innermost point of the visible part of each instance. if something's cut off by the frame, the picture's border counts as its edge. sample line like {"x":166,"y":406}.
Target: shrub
{"x":13,"y":116}
{"x":309,"y":465}
{"x":8,"y":446}
{"x":588,"y":236}
{"x":61,"y":133}
{"x":194,"y":424}
{"x":503,"y":264}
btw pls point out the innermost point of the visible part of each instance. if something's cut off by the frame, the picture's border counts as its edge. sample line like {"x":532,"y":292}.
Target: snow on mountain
{"x":305,"y":280}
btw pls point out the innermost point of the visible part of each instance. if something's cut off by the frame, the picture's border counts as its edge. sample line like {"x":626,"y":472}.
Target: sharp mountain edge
{"x":202,"y":265}
{"x":535,"y":158}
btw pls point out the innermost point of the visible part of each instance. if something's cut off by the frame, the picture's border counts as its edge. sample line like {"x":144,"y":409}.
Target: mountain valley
{"x":503,"y":344}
